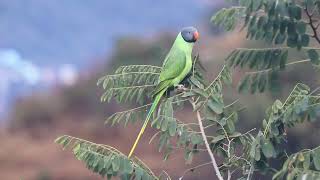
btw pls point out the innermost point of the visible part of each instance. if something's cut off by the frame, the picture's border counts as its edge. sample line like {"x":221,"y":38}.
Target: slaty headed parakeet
{"x":176,"y":67}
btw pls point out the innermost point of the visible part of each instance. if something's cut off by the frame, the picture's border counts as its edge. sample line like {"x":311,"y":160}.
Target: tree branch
{"x":313,"y":27}
{"x":213,"y":160}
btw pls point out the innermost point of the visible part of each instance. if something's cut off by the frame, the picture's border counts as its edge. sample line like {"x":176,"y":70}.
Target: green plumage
{"x":176,"y":66}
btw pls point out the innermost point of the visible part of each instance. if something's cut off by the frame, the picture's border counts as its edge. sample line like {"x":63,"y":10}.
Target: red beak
{"x":196,"y":35}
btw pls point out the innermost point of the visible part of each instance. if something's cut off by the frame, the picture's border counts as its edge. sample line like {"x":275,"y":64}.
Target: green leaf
{"x":138,"y":173}
{"x":280,"y":38}
{"x":127,"y":166}
{"x":305,"y":39}
{"x":196,"y":82}
{"x":292,"y":40}
{"x":164,"y":124}
{"x":262,"y":82}
{"x":172,"y":128}
{"x":306,"y":162}
{"x":268,"y":149}
{"x":254,"y":84}
{"x":316,"y":158}
{"x":257,"y":154}
{"x":226,"y":18}
{"x":196,"y":139}
{"x":295,"y":11}
{"x":314,"y":56}
{"x":218,"y":138}
{"x":231,"y":126}
{"x":244,"y":84}
{"x":115,"y":163}
{"x":215,"y":105}
{"x":301,"y":27}
{"x":145,"y":176}
{"x":103,"y":159}
{"x":200,"y":92}
{"x":283,"y":60}
{"x":283,"y":26}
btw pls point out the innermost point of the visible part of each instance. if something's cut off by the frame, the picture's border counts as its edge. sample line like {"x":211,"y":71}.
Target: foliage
{"x":129,"y":82}
{"x":285,"y":26}
{"x":301,"y":165}
{"x":105,"y":160}
{"x":300,"y":106}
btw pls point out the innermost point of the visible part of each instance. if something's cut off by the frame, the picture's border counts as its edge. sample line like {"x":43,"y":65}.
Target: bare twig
{"x":250,"y":172}
{"x":213,"y":160}
{"x":228,"y":147}
{"x":193,"y":168}
{"x":313,"y":27}
{"x":315,"y":90}
{"x":234,"y":102}
{"x":288,"y":64}
{"x":229,"y":174}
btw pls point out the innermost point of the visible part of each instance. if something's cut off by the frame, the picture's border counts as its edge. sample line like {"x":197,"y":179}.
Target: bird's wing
{"x":172,"y":68}
{"x":174,"y":65}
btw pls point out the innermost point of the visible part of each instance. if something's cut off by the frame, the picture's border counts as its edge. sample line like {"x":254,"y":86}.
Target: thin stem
{"x":315,"y":90}
{"x":131,"y":87}
{"x":154,"y":136}
{"x":286,"y":101}
{"x":316,"y":48}
{"x":129,"y":73}
{"x":218,"y":76}
{"x":250,"y":171}
{"x":288,"y":64}
{"x":156,"y":67}
{"x":229,"y":154}
{"x":267,"y":128}
{"x":229,"y":105}
{"x":195,"y":167}
{"x":316,"y":104}
{"x":213,"y":160}
{"x":165,"y":173}
{"x":238,"y":7}
{"x":228,"y":147}
{"x":262,"y":49}
{"x":249,"y":131}
{"x":206,"y":127}
{"x":193,"y":149}
{"x":147,"y":105}
{"x":130,"y":110}
{"x":229,"y":174}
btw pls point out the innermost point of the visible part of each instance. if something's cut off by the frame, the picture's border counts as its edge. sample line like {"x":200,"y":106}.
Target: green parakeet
{"x":175,"y":68}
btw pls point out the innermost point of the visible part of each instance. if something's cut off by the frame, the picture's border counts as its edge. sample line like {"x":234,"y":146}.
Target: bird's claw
{"x":180,"y":87}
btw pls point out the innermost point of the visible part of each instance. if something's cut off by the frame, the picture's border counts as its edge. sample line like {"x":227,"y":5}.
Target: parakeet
{"x":176,"y":66}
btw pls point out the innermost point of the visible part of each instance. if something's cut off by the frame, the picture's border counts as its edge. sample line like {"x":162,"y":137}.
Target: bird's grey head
{"x":190,"y":34}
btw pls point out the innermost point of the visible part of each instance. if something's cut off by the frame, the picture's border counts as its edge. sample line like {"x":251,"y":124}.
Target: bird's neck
{"x":181,"y":44}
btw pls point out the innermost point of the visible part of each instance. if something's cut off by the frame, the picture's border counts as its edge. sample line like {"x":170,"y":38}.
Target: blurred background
{"x":53,"y":52}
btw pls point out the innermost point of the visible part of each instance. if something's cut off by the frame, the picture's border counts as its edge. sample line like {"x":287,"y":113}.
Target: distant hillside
{"x":74,"y":31}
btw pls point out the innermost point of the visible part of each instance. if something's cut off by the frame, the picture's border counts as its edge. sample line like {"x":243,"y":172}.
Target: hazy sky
{"x":78,"y":31}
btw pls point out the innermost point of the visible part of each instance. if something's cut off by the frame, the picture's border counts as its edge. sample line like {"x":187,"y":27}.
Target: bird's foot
{"x":180,"y":88}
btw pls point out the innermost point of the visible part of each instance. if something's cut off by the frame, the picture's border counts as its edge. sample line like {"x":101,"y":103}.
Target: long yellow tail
{"x":153,"y":107}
